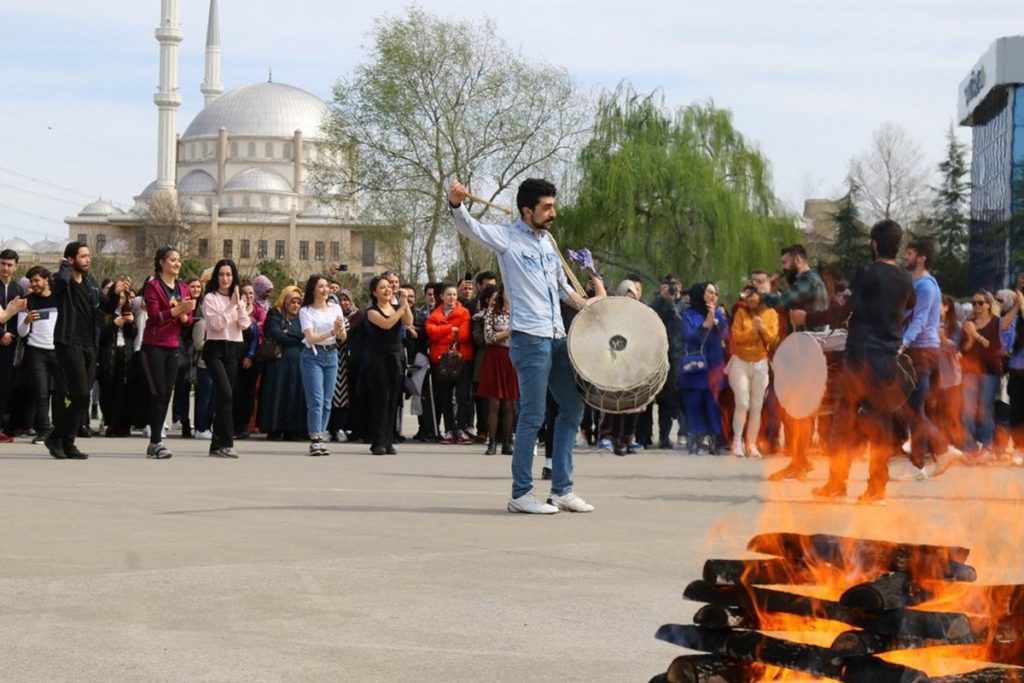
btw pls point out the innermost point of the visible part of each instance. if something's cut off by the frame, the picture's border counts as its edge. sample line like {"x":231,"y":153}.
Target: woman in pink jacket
{"x":169,"y":307}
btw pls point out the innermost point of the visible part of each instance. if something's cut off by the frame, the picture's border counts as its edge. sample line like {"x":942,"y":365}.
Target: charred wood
{"x":709,"y":669}
{"x":765,"y":572}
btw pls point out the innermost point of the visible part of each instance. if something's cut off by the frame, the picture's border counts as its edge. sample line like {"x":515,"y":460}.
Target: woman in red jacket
{"x":448,"y":326}
{"x":169,"y":306}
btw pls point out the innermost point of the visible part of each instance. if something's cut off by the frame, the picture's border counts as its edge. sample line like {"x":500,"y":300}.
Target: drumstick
{"x":486,"y":202}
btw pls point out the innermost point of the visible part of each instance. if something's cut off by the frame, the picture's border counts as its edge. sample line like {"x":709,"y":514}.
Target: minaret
{"x":212,"y":87}
{"x":168,"y":99}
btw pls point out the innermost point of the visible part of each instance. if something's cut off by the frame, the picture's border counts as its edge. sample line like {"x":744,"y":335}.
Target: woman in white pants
{"x":755,"y":332}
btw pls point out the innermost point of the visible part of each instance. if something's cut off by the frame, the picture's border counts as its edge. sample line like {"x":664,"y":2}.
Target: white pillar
{"x":167,"y":99}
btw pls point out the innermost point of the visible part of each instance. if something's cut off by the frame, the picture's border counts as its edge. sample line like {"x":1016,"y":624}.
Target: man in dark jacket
{"x":669,"y":307}
{"x":9,"y":291}
{"x":79,"y":304}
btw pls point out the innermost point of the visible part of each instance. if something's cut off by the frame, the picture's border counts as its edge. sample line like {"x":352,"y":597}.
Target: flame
{"x":979,"y":508}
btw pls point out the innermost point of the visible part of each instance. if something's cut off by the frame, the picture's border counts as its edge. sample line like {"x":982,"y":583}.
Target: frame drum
{"x":801,"y":374}
{"x":619,"y":350}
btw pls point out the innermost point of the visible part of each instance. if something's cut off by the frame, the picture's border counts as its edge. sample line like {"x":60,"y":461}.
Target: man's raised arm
{"x":494,"y":237}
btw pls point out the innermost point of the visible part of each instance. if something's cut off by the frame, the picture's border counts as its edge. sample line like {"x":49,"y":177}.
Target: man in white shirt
{"x":35,"y":326}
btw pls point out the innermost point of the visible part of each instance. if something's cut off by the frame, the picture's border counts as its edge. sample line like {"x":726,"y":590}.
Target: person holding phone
{"x":169,"y":306}
{"x":35,"y":327}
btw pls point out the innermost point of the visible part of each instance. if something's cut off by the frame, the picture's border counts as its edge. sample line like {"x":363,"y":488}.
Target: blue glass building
{"x":991,"y":101}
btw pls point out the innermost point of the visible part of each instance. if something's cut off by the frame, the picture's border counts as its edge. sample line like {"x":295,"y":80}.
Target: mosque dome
{"x":48,"y":247}
{"x":148,"y":192}
{"x":197,"y":182}
{"x":270,"y":110}
{"x":100,"y":209}
{"x":258,"y":180}
{"x":194,"y":207}
{"x":19,"y":245}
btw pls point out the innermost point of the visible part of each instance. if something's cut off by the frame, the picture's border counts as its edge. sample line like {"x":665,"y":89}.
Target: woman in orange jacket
{"x":448,"y":326}
{"x":755,"y":332}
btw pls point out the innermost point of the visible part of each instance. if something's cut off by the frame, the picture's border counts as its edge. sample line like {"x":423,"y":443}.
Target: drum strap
{"x":573,"y":280}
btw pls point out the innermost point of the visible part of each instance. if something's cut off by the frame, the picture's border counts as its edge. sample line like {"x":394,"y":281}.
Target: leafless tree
{"x":892,"y":175}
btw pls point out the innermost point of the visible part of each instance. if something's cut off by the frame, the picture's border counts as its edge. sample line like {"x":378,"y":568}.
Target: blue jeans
{"x":979,"y":403}
{"x":319,"y":372}
{"x":203,"y":401}
{"x":543,"y":365}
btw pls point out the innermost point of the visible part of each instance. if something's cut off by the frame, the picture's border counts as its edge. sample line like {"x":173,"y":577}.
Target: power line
{"x":87,"y":195}
{"x":41,"y":194}
{"x":18,"y":229}
{"x":30,"y":214}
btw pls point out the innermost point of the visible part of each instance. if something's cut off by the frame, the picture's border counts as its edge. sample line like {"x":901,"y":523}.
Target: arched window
{"x":234,"y":150}
{"x":269,"y":150}
{"x":288,"y":151}
{"x":206,"y":150}
{"x":251,"y":151}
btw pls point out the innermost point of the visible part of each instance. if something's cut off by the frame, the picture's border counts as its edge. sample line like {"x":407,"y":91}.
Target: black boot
{"x":492,"y":448}
{"x":186,"y":429}
{"x":506,"y":448}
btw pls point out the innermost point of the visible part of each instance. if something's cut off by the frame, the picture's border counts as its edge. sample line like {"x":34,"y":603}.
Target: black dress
{"x":383,"y":380}
{"x":282,"y":406}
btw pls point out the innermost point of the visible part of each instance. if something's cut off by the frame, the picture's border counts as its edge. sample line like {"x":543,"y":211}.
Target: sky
{"x":807,"y":81}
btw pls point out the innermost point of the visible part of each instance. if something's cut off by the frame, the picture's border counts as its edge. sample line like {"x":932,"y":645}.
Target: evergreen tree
{"x":850,"y":249}
{"x":949,"y":223}
{"x":680,"y":192}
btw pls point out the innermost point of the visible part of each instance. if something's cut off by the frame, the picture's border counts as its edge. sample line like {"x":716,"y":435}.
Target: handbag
{"x":695,"y":361}
{"x":450,"y":365}
{"x":19,"y":352}
{"x":268,"y":350}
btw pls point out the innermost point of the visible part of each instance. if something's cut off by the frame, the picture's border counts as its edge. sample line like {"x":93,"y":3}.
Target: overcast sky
{"x":807,"y":80}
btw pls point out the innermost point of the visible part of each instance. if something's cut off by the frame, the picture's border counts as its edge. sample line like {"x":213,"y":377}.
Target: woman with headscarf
{"x":701,"y":374}
{"x":263,"y":288}
{"x":282,"y":406}
{"x":342,"y":398}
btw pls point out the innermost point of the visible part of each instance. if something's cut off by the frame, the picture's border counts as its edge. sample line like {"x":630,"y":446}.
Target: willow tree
{"x":674,"y":191}
{"x":436,"y":100}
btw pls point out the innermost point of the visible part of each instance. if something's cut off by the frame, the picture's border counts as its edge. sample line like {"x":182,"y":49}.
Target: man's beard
{"x":791,"y":274}
{"x":79,"y":269}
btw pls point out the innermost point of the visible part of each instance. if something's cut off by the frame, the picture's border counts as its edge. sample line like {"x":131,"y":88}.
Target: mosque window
{"x":246,"y":201}
{"x":204,"y":247}
{"x":261,"y":249}
{"x":206,"y":150}
{"x":243,"y":250}
{"x":251,"y":150}
{"x":265,"y":200}
{"x":268,"y":150}
{"x":101,"y":241}
{"x":82,"y":238}
{"x":209,"y":205}
{"x":335,"y":251}
{"x":318,"y":251}
{"x":273,"y":202}
{"x":140,"y":240}
{"x":369,"y":251}
{"x":279,"y":250}
{"x":303,"y":250}
{"x":229,"y":248}
{"x":229,"y":202}
{"x":234,"y":150}
{"x":288,"y":151}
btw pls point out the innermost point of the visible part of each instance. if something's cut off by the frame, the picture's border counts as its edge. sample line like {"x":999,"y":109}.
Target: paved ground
{"x":279,"y":566}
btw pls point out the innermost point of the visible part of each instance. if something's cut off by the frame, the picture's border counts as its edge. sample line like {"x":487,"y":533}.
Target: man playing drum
{"x":806,"y":294}
{"x":535,"y":282}
{"x":871,"y":392}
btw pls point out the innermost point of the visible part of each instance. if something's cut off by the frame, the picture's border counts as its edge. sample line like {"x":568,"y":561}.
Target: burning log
{"x":751,"y":646}
{"x":764,"y":572}
{"x":861,"y":643}
{"x":988,"y":675}
{"x":867,"y":556}
{"x":708,"y":669}
{"x":716,"y":616}
{"x":949,"y":626}
{"x":889,"y":591}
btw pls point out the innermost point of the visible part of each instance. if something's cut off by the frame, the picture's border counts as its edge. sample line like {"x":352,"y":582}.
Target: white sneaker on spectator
{"x":581,"y":441}
{"x":906,"y":447}
{"x":944,"y":461}
{"x":205,"y":434}
{"x":907,"y":471}
{"x":570,"y":502}
{"x":531,"y":505}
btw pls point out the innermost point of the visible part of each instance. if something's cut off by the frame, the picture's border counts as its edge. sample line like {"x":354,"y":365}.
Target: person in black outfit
{"x":9,"y":292}
{"x":79,"y":307}
{"x":881,"y":295}
{"x":384,"y":371}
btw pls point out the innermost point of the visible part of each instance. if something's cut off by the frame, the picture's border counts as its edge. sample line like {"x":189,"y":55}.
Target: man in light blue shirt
{"x":921,"y":341}
{"x":536,"y":285}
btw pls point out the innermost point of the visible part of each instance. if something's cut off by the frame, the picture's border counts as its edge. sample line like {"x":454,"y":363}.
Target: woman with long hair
{"x":169,"y":306}
{"x":384,"y":371}
{"x":448,"y":327}
{"x":754,"y":333}
{"x":947,"y":404}
{"x":282,"y":406}
{"x":226,"y":316}
{"x":322,"y":324}
{"x":499,"y":383}
{"x":700,"y":369}
{"x":982,"y":368}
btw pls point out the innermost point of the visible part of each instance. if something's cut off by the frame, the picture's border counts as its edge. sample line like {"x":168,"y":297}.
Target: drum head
{"x":617,"y":344}
{"x":801,"y":375}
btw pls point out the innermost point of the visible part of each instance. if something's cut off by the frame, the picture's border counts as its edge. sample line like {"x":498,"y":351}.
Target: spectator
{"x":669,"y":307}
{"x":248,"y":371}
{"x":448,"y":327}
{"x":700,"y":369}
{"x":385,"y":370}
{"x":35,"y":325}
{"x":226,"y":316}
{"x":323,"y":324}
{"x":10,"y":294}
{"x":186,"y":364}
{"x":982,"y":367}
{"x":754,"y":333}
{"x":282,"y":408}
{"x":116,"y":351}
{"x":499,"y":384}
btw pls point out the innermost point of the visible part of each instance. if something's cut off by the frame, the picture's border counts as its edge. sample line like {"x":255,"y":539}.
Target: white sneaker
{"x":906,"y":447}
{"x":529,"y":504}
{"x":205,"y":434}
{"x":943,"y":462}
{"x":737,"y":448}
{"x":570,"y":502}
{"x":906,"y":471}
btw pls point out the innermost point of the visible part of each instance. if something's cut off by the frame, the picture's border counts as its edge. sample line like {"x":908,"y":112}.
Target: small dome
{"x":197,"y":182}
{"x":100,"y":208}
{"x":257,"y":180}
{"x":48,"y":247}
{"x":272,"y":110}
{"x":194,"y":207}
{"x":19,"y":245}
{"x":148,"y":192}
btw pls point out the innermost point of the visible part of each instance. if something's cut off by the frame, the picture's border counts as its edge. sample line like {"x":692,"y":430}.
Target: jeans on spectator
{"x":203,"y":407}
{"x":979,"y":402}
{"x":924,"y":435}
{"x":319,"y":373}
{"x":542,"y":364}
{"x":222,"y":358}
{"x":77,"y":362}
{"x":45,"y":377}
{"x":160,"y":366}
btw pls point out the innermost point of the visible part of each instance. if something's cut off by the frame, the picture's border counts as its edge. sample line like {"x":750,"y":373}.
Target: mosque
{"x":239,"y":174}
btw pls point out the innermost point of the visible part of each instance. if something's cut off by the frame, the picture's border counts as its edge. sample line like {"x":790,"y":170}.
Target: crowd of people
{"x":480,"y":361}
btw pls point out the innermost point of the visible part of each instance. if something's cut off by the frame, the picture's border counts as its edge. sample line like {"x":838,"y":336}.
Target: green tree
{"x":850,"y":248}
{"x":949,"y":222}
{"x":439,"y":100}
{"x":683,"y":192}
{"x":277,"y":274}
